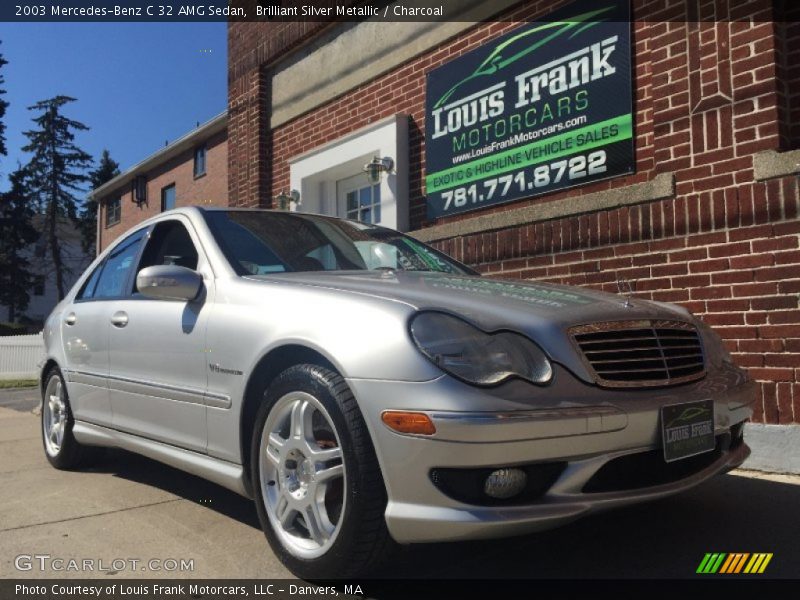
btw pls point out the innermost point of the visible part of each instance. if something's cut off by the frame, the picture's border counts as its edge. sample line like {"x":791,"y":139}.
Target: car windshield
{"x":262,"y":243}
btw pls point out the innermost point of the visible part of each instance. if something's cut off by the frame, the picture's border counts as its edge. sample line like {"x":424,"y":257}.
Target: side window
{"x":168,"y":197}
{"x":169,"y":244}
{"x":199,"y":161}
{"x":113,"y":211}
{"x":117,"y":268}
{"x":87,"y":291}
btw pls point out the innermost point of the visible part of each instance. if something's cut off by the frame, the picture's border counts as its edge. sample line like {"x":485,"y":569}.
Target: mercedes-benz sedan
{"x":366,"y":390}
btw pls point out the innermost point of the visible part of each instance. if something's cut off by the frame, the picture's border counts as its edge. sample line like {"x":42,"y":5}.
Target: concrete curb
{"x":776,"y":448}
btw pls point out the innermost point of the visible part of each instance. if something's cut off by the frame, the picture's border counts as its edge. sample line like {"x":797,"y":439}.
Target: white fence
{"x":19,"y":355}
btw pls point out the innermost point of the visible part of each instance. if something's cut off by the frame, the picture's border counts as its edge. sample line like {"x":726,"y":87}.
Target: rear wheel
{"x":60,"y":446}
{"x":319,"y":492}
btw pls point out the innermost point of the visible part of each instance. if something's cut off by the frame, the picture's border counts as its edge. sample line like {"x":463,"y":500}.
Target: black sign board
{"x":544,"y":107}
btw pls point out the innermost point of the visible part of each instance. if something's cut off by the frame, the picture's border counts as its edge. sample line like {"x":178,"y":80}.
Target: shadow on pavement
{"x":667,"y":538}
{"x":133,"y":467}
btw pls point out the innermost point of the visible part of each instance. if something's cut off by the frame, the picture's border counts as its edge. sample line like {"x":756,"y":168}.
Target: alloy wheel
{"x":54,"y":419}
{"x":302,"y":475}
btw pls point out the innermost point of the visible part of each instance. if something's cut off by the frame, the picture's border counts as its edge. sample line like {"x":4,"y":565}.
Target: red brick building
{"x":192,"y":170}
{"x":707,"y":215}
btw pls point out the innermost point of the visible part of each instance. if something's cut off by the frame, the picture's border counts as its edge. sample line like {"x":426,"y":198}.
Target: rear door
{"x":158,"y":374}
{"x":85,"y":331}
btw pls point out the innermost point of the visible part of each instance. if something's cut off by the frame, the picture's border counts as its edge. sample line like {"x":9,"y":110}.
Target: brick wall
{"x":210,"y":189}
{"x":709,"y":95}
{"x":252,"y":46}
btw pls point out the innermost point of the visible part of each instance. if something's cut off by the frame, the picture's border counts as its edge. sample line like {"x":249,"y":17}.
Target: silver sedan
{"x":367,"y":390}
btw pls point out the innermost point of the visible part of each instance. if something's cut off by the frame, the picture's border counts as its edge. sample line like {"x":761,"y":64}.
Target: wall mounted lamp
{"x":376,"y":167}
{"x":283,"y":201}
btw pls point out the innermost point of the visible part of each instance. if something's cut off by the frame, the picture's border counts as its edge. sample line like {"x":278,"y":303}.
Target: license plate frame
{"x":687,"y":429}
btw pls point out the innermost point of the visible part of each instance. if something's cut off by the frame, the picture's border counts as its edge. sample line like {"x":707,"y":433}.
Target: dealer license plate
{"x":687,"y":429}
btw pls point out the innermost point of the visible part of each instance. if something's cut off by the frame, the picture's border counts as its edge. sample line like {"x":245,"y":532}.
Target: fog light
{"x":505,"y":483}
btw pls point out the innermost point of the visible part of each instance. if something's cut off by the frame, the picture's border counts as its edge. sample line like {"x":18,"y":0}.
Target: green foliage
{"x":16,"y":233}
{"x":58,"y":167}
{"x":3,"y":107}
{"x":55,"y":174}
{"x":7,"y":384}
{"x":106,"y":170}
{"x":13,"y":329}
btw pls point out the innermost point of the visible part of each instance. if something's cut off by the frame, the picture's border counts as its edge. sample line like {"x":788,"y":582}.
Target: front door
{"x":158,"y":375}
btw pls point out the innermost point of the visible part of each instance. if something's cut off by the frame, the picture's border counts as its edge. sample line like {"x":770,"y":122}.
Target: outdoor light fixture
{"x":139,"y":190}
{"x":376,"y":166}
{"x":283,"y":201}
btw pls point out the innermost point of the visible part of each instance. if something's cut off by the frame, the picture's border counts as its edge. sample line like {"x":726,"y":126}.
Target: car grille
{"x":641,"y":353}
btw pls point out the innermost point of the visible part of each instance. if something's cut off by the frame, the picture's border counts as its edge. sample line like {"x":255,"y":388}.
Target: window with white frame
{"x":360,"y":200}
{"x":331,"y":178}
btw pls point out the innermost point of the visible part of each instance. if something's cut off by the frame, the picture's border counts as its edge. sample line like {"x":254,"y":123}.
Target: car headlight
{"x":714,"y":347}
{"x":476,"y":356}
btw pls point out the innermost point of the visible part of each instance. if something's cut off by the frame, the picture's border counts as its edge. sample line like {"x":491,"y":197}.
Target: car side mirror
{"x":169,"y":282}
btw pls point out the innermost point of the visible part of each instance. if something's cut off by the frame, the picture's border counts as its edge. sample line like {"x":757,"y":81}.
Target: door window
{"x":114,"y":280}
{"x":361,"y":200}
{"x":169,"y":244}
{"x":87,"y":292}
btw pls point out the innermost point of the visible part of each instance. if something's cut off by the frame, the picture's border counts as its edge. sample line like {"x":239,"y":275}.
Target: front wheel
{"x":319,"y":492}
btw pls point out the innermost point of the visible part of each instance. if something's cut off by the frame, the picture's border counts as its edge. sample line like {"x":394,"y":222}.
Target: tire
{"x":318,"y":488}
{"x":60,"y":446}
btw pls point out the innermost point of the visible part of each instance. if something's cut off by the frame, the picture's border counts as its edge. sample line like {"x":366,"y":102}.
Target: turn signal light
{"x":408,"y":422}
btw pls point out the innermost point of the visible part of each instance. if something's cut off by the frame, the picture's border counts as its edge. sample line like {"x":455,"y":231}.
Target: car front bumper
{"x":518,"y":424}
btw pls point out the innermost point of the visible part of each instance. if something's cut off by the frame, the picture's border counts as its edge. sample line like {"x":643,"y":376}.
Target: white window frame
{"x":315,"y":174}
{"x":354,"y":185}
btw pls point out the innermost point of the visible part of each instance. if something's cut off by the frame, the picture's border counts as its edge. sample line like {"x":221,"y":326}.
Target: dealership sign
{"x":545,"y":107}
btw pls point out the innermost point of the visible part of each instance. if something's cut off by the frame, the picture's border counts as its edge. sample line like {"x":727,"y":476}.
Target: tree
{"x":106,"y":170}
{"x":16,"y":233}
{"x":56,"y":172}
{"x":3,"y":107}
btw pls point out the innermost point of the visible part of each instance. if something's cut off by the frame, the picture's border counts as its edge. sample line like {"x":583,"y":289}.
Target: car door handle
{"x":119,"y":319}
{"x":71,"y":319}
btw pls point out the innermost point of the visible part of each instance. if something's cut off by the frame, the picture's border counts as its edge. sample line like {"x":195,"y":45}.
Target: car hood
{"x":541,"y":311}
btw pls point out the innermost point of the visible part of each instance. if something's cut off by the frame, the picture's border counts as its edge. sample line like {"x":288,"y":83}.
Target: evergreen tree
{"x":56,"y":172}
{"x":3,"y":107}
{"x":106,"y":170}
{"x":16,"y":233}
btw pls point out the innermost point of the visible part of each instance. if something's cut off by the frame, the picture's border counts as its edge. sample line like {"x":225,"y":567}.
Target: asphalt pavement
{"x":130,"y":508}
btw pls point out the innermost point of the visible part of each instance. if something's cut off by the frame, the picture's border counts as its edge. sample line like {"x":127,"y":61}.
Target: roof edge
{"x":209,"y":128}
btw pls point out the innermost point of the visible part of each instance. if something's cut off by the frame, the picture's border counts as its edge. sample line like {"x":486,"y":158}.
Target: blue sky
{"x":136,"y":84}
